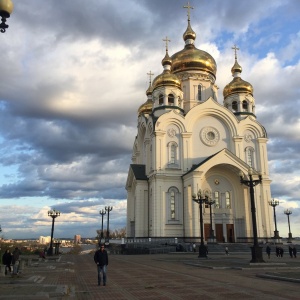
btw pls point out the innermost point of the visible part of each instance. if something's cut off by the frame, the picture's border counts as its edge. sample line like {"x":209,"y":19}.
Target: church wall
{"x":202,"y":145}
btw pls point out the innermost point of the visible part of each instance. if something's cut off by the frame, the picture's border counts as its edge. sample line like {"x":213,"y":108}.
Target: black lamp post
{"x":288,"y":212}
{"x":251,"y":183}
{"x":211,"y":202}
{"x":6,"y":8}
{"x":0,"y":229}
{"x":53,"y":214}
{"x":274,"y":203}
{"x":108,"y":209}
{"x":200,"y":199}
{"x":102,"y":213}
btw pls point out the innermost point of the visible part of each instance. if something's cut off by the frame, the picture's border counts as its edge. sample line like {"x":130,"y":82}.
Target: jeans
{"x":103,"y":270}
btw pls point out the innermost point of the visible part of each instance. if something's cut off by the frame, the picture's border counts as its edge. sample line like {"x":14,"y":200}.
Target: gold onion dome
{"x":166,"y":78}
{"x":237,"y":85}
{"x":191,"y":58}
{"x":146,"y":108}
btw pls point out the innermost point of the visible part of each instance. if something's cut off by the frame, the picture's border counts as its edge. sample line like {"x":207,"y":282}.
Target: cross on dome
{"x":235,"y":48}
{"x":188,"y":7}
{"x":167,"y":41}
{"x":150,"y":76}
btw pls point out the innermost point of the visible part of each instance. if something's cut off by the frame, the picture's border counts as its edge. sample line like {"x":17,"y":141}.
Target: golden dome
{"x":236,"y":68}
{"x":191,"y":58}
{"x":236,"y":86}
{"x":166,"y":79}
{"x":146,"y":108}
{"x":189,"y":33}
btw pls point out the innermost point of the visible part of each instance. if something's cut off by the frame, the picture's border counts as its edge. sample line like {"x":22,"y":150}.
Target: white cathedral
{"x":187,"y":141}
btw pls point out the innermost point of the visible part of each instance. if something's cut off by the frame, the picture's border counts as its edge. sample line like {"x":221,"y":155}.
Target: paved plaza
{"x":161,"y":276}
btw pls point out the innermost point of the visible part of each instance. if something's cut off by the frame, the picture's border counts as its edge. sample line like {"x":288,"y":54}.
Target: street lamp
{"x":211,"y":202}
{"x":200,"y":198}
{"x":6,"y":8}
{"x":53,"y":214}
{"x":274,"y":203}
{"x":288,"y":212}
{"x":108,"y":209}
{"x":251,"y":183}
{"x":102,"y":213}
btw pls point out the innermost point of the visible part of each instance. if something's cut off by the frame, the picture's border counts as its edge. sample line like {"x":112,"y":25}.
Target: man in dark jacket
{"x":6,"y":260}
{"x":101,"y":259}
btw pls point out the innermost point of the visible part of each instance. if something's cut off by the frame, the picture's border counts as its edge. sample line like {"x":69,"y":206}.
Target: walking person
{"x":268,"y":250}
{"x":16,"y":260}
{"x":101,"y":259}
{"x":226,"y":250}
{"x":291,"y":251}
{"x":295,"y":251}
{"x":194,"y":247}
{"x":6,"y":260}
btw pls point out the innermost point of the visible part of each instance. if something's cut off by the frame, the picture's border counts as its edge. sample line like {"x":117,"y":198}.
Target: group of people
{"x":279,"y":251}
{"x":11,"y":261}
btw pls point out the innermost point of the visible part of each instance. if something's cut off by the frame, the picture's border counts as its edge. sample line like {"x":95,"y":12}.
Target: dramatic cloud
{"x":73,"y":76}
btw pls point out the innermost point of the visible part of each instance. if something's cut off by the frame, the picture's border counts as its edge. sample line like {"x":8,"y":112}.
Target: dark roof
{"x":194,"y":167}
{"x":139,"y":171}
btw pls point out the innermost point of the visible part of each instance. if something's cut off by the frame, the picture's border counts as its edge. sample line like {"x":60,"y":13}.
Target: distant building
{"x":77,"y":239}
{"x":44,"y":239}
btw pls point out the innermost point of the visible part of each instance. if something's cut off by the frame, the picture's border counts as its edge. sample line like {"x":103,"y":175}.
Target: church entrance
{"x":230,"y":233}
{"x":219,"y":233}
{"x":206,"y":231}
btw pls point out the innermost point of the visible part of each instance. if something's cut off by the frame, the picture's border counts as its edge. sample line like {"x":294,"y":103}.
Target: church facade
{"x":187,"y":141}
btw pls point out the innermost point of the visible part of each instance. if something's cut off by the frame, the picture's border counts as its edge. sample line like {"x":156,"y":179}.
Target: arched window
{"x":217,"y":199}
{"x":172,"y":204}
{"x":234,"y":106}
{"x":173,"y":154}
{"x":161,"y":99}
{"x":173,"y":161}
{"x":199,"y":92}
{"x":227,"y":200}
{"x":245,"y":105}
{"x":171,"y":99}
{"x":249,"y":151}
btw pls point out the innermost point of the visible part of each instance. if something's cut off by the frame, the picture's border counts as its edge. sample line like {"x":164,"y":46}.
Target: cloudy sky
{"x":73,"y":76}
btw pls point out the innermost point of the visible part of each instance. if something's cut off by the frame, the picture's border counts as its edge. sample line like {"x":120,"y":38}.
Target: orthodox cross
{"x":167,"y":41}
{"x":235,"y":48}
{"x":188,"y":7}
{"x":150,"y":76}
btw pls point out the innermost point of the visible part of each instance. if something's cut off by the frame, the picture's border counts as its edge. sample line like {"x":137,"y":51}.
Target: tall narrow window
{"x":161,"y":99}
{"x":249,"y":156}
{"x":172,"y":205}
{"x":171,"y":99}
{"x":245,"y":105}
{"x":173,"y":154}
{"x":227,"y":200}
{"x":234,"y":106}
{"x":217,"y":199}
{"x":173,"y":160}
{"x":199,"y":92}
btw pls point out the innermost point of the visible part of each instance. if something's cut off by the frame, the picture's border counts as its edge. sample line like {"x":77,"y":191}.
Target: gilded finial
{"x":188,"y":7}
{"x":236,"y":67}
